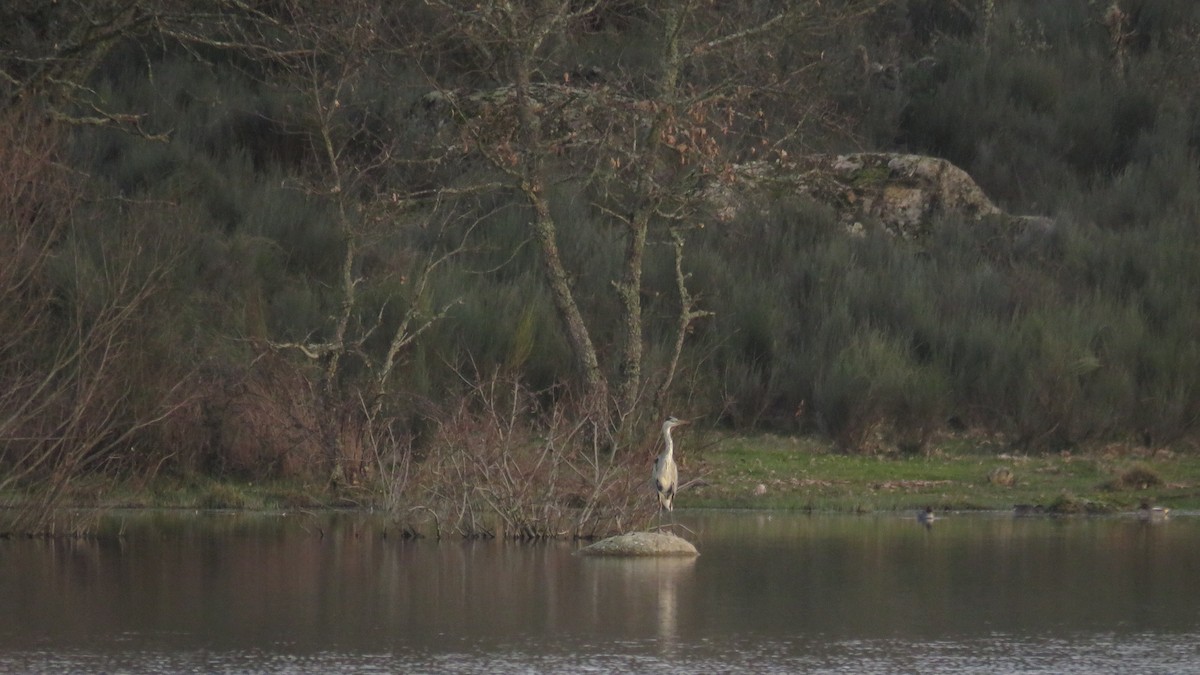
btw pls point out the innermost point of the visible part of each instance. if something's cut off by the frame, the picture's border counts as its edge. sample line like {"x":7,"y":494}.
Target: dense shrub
{"x":1136,"y":476}
{"x":1056,"y":332}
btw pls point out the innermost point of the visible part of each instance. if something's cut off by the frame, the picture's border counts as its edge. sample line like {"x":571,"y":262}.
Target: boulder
{"x":902,"y":192}
{"x":641,"y":544}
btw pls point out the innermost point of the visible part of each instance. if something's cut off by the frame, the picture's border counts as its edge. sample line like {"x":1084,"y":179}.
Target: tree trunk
{"x":559,"y":283}
{"x":630,"y":287}
{"x":545,"y":230}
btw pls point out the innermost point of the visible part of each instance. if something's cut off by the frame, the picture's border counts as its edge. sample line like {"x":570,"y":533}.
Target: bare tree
{"x":321,"y":57}
{"x":646,"y":137}
{"x":69,"y":329}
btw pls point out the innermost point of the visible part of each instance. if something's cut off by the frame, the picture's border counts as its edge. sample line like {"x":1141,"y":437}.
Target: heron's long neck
{"x":669,"y":450}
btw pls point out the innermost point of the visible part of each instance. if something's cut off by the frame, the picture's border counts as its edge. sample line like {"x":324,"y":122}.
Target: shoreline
{"x":761,"y":473}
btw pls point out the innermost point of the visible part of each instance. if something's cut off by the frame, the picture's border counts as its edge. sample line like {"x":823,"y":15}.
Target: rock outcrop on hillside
{"x":903,"y":193}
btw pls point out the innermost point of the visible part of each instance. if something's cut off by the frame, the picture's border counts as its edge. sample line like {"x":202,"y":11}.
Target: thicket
{"x":225,"y":273}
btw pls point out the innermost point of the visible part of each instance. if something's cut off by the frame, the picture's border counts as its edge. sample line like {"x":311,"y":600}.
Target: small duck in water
{"x":1152,"y":513}
{"x":926,"y":516}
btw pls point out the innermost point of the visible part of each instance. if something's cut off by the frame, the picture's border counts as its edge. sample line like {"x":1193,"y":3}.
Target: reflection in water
{"x":645,"y":585}
{"x":769,"y":593}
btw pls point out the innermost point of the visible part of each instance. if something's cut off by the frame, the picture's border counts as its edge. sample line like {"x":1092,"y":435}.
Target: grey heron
{"x":666,"y":474}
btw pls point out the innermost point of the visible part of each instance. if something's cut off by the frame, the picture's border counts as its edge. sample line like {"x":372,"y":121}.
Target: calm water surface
{"x":769,"y":593}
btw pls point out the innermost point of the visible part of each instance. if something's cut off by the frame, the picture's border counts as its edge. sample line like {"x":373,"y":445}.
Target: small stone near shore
{"x":641,"y":544}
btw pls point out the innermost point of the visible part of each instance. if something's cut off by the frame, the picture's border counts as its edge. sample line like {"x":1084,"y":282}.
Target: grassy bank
{"x":789,"y":473}
{"x":777,"y":472}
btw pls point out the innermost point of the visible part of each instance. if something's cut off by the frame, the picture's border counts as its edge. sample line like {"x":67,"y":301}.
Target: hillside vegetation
{"x":458,"y":252}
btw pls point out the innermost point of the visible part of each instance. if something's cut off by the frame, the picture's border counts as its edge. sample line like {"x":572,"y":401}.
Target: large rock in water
{"x":641,"y":544}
